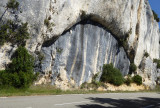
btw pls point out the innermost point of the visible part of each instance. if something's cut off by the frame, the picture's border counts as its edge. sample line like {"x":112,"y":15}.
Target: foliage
{"x":84,"y":15}
{"x":111,"y":75}
{"x":12,"y":4}
{"x":46,"y":22}
{"x":94,"y":78}
{"x":132,"y":68}
{"x":41,"y":57}
{"x":93,"y":85}
{"x":123,"y":43}
{"x":128,"y":81}
{"x":157,"y":61}
{"x":155,"y":16}
{"x":146,"y":54}
{"x":59,"y":50}
{"x":137,"y":79}
{"x":3,"y":33}
{"x":11,"y":32}
{"x":19,"y":73}
{"x":49,"y":18}
{"x":22,"y":33}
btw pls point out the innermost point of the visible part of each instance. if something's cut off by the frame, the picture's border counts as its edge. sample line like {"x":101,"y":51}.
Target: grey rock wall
{"x":148,"y":70}
{"x":81,"y":52}
{"x":120,"y":17}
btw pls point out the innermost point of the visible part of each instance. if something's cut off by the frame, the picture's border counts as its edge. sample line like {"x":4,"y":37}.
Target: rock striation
{"x":82,"y":49}
{"x":81,"y":52}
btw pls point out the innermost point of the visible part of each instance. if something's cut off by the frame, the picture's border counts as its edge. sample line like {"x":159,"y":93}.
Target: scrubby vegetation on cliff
{"x":132,"y":68}
{"x":157,"y":61}
{"x":19,"y":73}
{"x":11,"y":32}
{"x":12,"y":4}
{"x":113,"y":76}
{"x":137,"y":79}
{"x":155,"y":16}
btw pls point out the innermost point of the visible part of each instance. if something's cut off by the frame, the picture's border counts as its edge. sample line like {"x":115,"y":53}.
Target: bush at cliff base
{"x":111,"y":75}
{"x":137,"y":79}
{"x":19,"y":73}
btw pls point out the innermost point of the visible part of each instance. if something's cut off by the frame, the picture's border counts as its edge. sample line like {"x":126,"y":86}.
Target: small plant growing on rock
{"x":132,"y":68}
{"x":49,"y":18}
{"x":155,"y":16}
{"x":146,"y":54}
{"x":46,"y":22}
{"x":83,"y":15}
{"x":137,"y":79}
{"x":94,"y":78}
{"x":128,"y":80}
{"x":157,"y":61}
{"x":12,"y":4}
{"x":111,"y":75}
{"x":59,"y":50}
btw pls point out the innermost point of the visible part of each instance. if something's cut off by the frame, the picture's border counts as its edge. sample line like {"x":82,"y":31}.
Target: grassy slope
{"x":51,"y":90}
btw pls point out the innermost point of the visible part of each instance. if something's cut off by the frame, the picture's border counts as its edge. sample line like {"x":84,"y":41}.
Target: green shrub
{"x":19,"y":73}
{"x":59,"y":50}
{"x":146,"y":54}
{"x":22,"y":33}
{"x":46,"y":22}
{"x":93,"y":85}
{"x":94,"y":78}
{"x":155,"y":16}
{"x":157,"y":61}
{"x":11,"y":32}
{"x":128,"y":81}
{"x":3,"y":34}
{"x":84,"y":15}
{"x":12,"y":4}
{"x":137,"y":79}
{"x":111,"y":75}
{"x":49,"y":18}
{"x":132,"y":68}
{"x":4,"y":78}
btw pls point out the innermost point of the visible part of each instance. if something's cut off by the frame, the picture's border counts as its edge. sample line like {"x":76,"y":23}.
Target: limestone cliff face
{"x":81,"y":51}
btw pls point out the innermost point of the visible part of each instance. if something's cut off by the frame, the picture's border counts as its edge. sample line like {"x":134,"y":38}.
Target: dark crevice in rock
{"x":50,"y":42}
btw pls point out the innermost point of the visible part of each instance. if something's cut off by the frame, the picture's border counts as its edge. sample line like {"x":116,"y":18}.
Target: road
{"x":107,"y":100}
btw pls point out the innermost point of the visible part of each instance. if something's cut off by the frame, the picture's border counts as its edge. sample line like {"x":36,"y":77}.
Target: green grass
{"x":52,"y":90}
{"x":41,"y":90}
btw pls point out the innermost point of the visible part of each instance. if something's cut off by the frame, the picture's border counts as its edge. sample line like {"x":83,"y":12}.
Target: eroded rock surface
{"x":81,"y":52}
{"x":132,"y":18}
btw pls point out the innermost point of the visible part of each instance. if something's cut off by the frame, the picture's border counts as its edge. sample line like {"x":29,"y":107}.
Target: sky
{"x":155,"y":5}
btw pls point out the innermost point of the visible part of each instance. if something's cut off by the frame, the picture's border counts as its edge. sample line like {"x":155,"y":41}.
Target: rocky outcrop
{"x":81,"y":52}
{"x":128,"y":21}
{"x":148,"y":70}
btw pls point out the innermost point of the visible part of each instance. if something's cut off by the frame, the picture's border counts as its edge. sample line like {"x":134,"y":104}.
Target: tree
{"x":19,"y":73}
{"x":22,"y":61}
